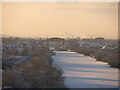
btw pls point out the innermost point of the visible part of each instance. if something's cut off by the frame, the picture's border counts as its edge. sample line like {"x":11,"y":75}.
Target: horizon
{"x":6,"y":36}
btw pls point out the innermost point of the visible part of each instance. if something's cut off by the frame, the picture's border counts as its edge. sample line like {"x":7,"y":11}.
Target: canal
{"x":85,"y":72}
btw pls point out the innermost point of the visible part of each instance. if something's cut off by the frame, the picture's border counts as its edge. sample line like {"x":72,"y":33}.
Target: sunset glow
{"x":47,"y":19}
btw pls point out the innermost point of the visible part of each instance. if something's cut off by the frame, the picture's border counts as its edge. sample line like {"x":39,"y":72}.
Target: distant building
{"x":56,"y":42}
{"x":56,"y":39}
{"x":99,"y":38}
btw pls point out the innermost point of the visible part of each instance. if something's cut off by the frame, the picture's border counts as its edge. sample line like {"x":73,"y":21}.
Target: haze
{"x":48,"y":19}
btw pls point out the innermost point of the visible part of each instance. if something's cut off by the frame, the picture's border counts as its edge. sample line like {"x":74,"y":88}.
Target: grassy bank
{"x":27,"y":65}
{"x":107,"y":54}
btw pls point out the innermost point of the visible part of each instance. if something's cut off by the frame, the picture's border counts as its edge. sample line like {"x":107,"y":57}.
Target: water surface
{"x":85,"y":72}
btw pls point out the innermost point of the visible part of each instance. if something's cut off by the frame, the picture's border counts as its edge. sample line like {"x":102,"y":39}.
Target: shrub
{"x":37,"y":72}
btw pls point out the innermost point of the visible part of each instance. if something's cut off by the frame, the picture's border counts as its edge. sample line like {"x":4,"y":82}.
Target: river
{"x":85,"y":72}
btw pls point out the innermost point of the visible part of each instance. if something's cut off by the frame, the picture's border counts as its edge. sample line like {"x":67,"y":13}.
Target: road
{"x":85,"y":72}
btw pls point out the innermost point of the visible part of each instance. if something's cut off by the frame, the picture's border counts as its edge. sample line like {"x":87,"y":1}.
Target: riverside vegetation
{"x":28,"y":64}
{"x":101,"y":50}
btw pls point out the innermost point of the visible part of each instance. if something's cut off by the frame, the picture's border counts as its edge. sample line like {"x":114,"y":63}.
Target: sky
{"x":0,"y":19}
{"x":60,"y":19}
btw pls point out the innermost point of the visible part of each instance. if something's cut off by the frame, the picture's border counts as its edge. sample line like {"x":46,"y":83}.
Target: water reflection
{"x":82,"y":71}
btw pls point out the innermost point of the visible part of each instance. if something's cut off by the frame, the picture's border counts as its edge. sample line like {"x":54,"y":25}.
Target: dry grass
{"x":38,"y":72}
{"x":106,"y":55}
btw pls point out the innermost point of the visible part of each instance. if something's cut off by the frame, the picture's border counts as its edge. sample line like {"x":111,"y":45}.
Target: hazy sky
{"x":1,"y":19}
{"x":60,"y":19}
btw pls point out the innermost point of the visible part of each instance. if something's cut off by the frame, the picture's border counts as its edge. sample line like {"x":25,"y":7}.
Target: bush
{"x":113,"y":60}
{"x":38,"y":72}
